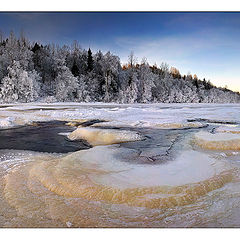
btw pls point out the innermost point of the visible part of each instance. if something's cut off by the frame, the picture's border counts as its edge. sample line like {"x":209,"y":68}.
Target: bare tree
{"x":132,"y":60}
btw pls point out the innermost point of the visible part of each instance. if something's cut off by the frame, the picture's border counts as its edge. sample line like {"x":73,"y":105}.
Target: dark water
{"x":157,"y":147}
{"x":44,"y":137}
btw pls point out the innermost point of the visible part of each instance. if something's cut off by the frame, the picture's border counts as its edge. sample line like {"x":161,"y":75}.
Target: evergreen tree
{"x":75,"y":70}
{"x":89,"y":61}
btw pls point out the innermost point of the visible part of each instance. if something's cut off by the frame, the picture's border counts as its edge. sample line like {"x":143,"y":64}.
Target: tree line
{"x":30,"y":71}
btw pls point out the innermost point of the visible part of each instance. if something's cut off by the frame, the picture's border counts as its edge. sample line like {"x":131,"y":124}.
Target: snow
{"x":108,"y":186}
{"x":139,"y":115}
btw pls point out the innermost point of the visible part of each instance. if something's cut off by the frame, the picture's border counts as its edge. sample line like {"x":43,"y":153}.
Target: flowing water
{"x":174,"y":176}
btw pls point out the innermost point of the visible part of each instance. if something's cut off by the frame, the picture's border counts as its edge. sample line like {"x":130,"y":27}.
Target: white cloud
{"x":210,"y":54}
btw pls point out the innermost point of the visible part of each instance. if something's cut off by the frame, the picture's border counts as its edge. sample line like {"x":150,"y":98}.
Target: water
{"x":40,"y":137}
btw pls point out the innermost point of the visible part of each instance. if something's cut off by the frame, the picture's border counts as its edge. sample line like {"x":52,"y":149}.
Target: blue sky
{"x":203,"y":43}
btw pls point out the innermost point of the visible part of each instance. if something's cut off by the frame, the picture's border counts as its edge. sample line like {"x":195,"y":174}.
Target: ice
{"x":76,"y":188}
{"x":189,"y":167}
{"x":69,"y":224}
{"x":105,"y":186}
{"x":64,"y":133}
{"x":178,"y":125}
{"x":218,"y":141}
{"x":99,"y":174}
{"x":6,"y":122}
{"x":143,"y":115}
{"x":167,"y":125}
{"x":112,"y":124}
{"x":96,"y":136}
{"x":229,"y":129}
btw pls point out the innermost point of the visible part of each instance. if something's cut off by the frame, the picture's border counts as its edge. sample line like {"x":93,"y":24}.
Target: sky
{"x":202,"y":43}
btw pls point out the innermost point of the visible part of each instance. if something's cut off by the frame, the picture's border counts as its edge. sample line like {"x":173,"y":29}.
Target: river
{"x":125,"y":166}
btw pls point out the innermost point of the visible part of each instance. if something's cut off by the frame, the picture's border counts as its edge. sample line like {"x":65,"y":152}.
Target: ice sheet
{"x":99,"y":174}
{"x":120,"y":114}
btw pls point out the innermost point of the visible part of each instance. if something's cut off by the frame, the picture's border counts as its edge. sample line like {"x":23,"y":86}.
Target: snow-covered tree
{"x":20,"y":85}
{"x":129,"y":91}
{"x":146,"y":82}
{"x":69,"y":73}
{"x":110,"y":66}
{"x":66,"y":85}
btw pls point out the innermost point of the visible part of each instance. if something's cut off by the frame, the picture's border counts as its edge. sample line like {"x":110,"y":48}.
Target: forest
{"x":30,"y":71}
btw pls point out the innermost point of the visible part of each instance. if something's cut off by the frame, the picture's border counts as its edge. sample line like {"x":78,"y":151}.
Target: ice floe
{"x":229,"y":129}
{"x":218,"y":141}
{"x":96,"y":136}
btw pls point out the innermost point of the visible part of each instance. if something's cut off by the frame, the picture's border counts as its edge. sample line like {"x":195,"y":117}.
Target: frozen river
{"x":111,"y":165}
